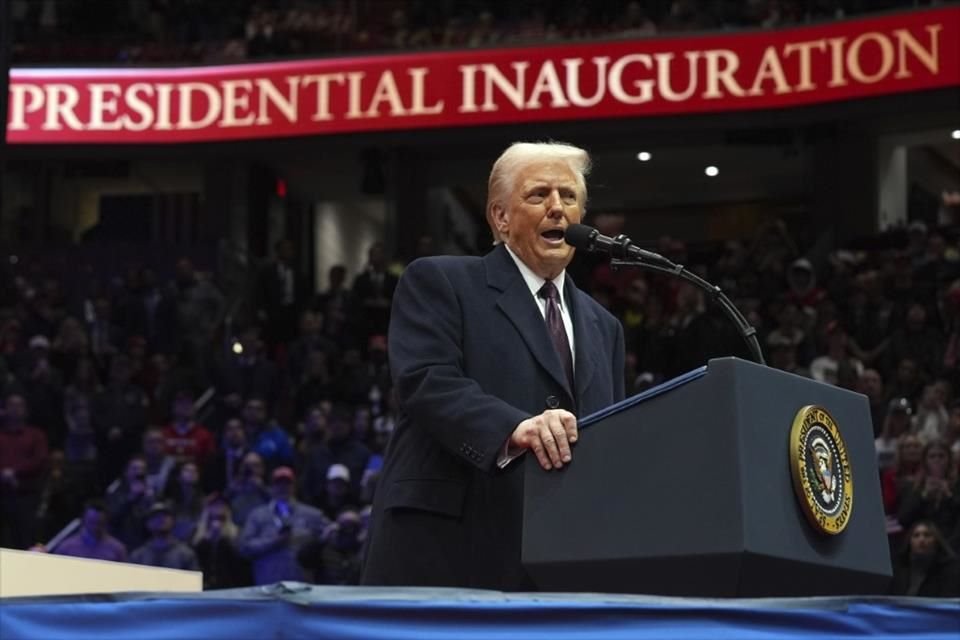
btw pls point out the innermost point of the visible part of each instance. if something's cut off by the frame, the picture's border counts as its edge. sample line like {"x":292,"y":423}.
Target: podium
{"x":689,"y":490}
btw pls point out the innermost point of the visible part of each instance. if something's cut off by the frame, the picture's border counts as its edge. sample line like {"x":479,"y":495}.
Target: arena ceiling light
{"x":711,"y":171}
{"x":644,"y":156}
{"x":955,"y":134}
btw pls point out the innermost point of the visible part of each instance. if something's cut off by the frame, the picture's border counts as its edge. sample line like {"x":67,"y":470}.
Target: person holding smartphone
{"x":274,"y":533}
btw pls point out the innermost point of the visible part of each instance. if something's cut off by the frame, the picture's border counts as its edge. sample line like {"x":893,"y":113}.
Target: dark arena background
{"x":206,"y":207}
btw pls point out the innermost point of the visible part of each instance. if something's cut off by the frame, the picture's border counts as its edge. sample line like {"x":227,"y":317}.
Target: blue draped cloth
{"x":292,"y":610}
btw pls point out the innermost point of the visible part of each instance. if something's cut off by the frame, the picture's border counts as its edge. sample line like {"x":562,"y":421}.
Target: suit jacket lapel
{"x":517,"y":304}
{"x":586,"y":329}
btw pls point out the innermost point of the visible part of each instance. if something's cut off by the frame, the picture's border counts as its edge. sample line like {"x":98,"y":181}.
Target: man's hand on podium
{"x":549,"y":435}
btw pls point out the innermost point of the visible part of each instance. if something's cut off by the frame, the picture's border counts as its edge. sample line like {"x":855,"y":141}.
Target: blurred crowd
{"x":130,"y":404}
{"x":251,"y":450}
{"x":220,"y":31}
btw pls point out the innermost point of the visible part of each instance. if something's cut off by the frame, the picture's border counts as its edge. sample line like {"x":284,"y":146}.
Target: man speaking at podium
{"x":491,"y":359}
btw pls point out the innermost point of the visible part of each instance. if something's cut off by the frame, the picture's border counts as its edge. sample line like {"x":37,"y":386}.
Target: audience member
{"x":60,"y":498}
{"x":373,"y":292}
{"x":23,"y":459}
{"x":149,"y":310}
{"x":215,"y":543}
{"x":953,"y":435}
{"x":837,"y":366}
{"x":934,"y":495}
{"x":339,"y":447}
{"x":313,"y":455}
{"x":336,"y":559}
{"x":266,"y":437}
{"x":121,"y":410}
{"x":185,"y":438}
{"x":225,"y":467}
{"x":869,"y":315}
{"x":247,"y":372}
{"x":200,"y":306}
{"x":895,"y":424}
{"x":310,"y":341}
{"x":338,"y":495}
{"x":247,"y":491}
{"x":80,"y":444}
{"x":274,"y":533}
{"x":926,"y":566}
{"x":904,"y":473}
{"x":279,"y":295}
{"x":129,"y":502}
{"x":105,"y":337}
{"x":931,"y":420}
{"x":159,"y":464}
{"x":870,"y":384}
{"x":93,"y":541}
{"x":908,"y":379}
{"x":163,"y":549}
{"x":85,"y":383}
{"x":336,"y":291}
{"x":42,"y":389}
{"x":802,"y":286}
{"x":916,"y":340}
{"x":186,"y":501}
{"x":316,"y":383}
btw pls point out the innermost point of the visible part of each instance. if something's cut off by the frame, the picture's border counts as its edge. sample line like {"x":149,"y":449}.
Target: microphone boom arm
{"x":747,"y":332}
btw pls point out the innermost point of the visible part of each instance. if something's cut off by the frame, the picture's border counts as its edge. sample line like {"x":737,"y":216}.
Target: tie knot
{"x":549,"y":291}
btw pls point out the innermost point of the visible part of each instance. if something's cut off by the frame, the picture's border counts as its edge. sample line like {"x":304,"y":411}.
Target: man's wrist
{"x":508,"y":453}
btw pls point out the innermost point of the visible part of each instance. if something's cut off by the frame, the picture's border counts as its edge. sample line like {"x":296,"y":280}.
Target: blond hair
{"x":503,"y":175}
{"x":230,"y":531}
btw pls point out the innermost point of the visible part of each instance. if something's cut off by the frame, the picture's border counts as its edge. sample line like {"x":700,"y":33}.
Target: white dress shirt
{"x":535,"y":283}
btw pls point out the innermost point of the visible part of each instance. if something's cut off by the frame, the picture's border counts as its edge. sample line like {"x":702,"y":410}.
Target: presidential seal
{"x":822,"y":478}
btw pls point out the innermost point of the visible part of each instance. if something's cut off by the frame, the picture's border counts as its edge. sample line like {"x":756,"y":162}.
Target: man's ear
{"x":499,"y":219}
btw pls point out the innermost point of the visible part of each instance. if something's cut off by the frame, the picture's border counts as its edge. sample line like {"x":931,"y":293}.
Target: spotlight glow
{"x":955,"y":134}
{"x":644,"y":156}
{"x":237,"y":348}
{"x":711,"y":171}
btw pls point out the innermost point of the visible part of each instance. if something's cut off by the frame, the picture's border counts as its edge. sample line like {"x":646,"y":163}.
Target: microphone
{"x":624,"y":253}
{"x":581,"y":236}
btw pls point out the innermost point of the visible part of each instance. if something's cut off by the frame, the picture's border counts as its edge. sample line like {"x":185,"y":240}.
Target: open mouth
{"x":552,"y":235}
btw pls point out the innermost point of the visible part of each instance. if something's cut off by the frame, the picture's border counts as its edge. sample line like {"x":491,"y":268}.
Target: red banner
{"x":755,"y":70}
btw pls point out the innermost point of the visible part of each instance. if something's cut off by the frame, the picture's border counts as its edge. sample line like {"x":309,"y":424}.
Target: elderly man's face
{"x":544,"y":201}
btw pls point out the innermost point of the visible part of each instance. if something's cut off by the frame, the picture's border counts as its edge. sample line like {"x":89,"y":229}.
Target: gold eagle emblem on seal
{"x":820,"y":466}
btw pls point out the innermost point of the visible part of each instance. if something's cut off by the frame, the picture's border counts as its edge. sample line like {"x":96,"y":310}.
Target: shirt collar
{"x":535,"y":282}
